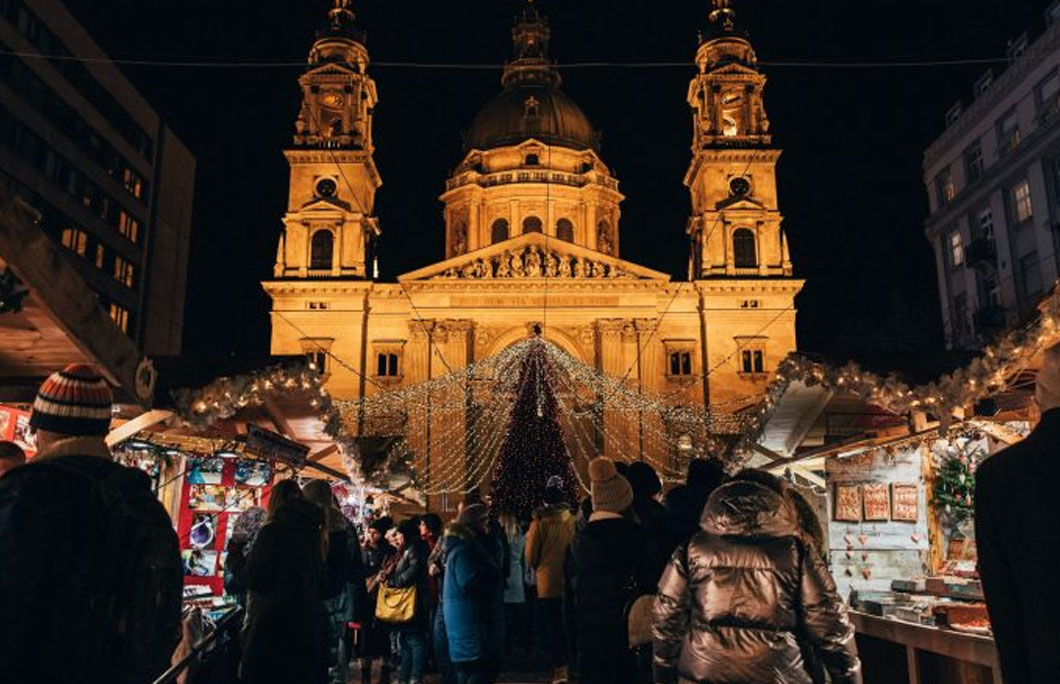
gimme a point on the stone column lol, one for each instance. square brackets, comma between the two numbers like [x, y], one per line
[459, 352]
[416, 370]
[609, 360]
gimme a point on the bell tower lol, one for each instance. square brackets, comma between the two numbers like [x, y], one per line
[330, 222]
[735, 228]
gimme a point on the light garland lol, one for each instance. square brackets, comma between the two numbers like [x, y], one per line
[463, 452]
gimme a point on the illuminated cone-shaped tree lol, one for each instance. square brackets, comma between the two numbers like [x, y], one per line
[533, 449]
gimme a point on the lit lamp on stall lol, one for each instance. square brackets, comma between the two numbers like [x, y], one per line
[684, 445]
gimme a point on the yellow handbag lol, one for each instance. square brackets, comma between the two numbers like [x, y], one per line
[396, 606]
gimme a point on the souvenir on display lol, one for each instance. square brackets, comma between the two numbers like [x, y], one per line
[905, 502]
[848, 502]
[252, 473]
[205, 470]
[206, 498]
[246, 524]
[203, 530]
[199, 563]
[877, 501]
[239, 499]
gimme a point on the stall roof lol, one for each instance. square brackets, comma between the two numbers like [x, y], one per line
[56, 319]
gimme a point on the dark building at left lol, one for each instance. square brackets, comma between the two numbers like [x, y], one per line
[94, 168]
[111, 181]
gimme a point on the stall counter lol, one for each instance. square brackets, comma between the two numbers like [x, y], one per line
[895, 651]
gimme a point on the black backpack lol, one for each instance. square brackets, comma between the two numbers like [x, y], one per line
[126, 615]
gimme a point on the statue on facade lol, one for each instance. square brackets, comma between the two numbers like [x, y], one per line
[516, 264]
[533, 263]
[469, 271]
[551, 265]
[603, 238]
[564, 266]
[504, 269]
[485, 268]
[459, 239]
[579, 268]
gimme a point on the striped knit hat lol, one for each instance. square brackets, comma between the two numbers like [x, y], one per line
[76, 402]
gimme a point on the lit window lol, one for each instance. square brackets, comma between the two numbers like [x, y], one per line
[986, 224]
[133, 182]
[944, 188]
[124, 272]
[1021, 201]
[120, 316]
[956, 249]
[129, 227]
[101, 256]
[75, 240]
[973, 159]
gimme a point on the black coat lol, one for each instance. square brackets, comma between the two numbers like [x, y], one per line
[608, 565]
[56, 572]
[375, 635]
[1017, 520]
[411, 571]
[285, 575]
[654, 522]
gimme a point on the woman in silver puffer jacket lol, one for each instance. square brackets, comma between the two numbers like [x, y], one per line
[735, 602]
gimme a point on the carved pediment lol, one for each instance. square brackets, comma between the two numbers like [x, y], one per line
[325, 205]
[738, 203]
[534, 256]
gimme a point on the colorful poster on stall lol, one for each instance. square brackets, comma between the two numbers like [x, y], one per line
[14, 427]
[216, 493]
[205, 470]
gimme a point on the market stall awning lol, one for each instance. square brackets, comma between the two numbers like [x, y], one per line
[50, 318]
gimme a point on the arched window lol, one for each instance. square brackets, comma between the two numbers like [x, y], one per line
[565, 230]
[499, 232]
[532, 224]
[743, 249]
[322, 250]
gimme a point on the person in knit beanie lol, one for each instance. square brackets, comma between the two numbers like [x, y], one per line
[70, 513]
[609, 552]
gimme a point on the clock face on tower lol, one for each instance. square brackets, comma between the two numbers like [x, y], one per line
[739, 186]
[332, 100]
[326, 187]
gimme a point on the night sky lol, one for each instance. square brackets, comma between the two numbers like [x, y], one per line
[850, 177]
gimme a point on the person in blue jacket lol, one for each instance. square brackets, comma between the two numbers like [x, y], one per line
[473, 598]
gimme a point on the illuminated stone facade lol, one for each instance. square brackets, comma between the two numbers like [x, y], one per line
[532, 221]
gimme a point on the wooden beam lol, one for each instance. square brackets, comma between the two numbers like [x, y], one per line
[767, 452]
[277, 417]
[141, 422]
[1001, 433]
[806, 423]
[321, 454]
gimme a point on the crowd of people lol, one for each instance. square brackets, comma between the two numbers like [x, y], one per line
[723, 578]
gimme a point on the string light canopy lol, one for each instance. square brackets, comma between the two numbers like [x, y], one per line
[453, 427]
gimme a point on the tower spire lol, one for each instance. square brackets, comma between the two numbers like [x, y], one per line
[530, 38]
[723, 15]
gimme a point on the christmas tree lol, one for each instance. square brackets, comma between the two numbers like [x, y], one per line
[533, 449]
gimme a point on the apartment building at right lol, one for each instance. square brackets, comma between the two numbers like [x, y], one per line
[993, 185]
